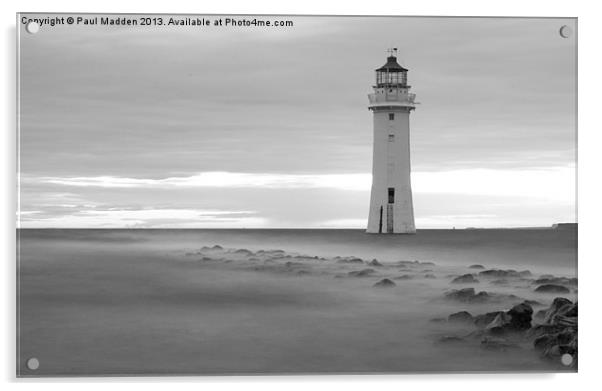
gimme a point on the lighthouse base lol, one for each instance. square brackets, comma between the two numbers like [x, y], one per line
[391, 218]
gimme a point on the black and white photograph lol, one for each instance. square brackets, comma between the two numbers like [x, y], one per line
[237, 194]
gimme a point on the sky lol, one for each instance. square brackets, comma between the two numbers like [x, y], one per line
[268, 127]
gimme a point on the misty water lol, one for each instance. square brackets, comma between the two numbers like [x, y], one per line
[126, 302]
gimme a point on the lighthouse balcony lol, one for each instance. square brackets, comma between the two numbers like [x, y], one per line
[392, 99]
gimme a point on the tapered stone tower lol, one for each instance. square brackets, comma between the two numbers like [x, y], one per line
[391, 208]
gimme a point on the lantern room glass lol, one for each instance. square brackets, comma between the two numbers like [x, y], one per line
[391, 78]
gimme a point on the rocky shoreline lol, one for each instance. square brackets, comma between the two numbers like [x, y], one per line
[552, 332]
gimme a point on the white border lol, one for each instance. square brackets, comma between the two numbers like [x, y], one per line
[589, 198]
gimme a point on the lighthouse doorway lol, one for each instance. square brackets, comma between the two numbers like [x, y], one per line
[390, 218]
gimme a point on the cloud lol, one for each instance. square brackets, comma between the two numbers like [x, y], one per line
[142, 218]
[553, 183]
[219, 180]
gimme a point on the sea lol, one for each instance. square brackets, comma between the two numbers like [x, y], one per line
[146, 302]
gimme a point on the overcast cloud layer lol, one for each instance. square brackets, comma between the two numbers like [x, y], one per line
[268, 127]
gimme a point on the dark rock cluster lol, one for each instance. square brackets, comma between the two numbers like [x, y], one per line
[461, 317]
[465, 279]
[555, 336]
[361, 273]
[348, 260]
[375, 262]
[385, 283]
[552, 288]
[556, 280]
[414, 263]
[498, 273]
[467, 295]
[404, 277]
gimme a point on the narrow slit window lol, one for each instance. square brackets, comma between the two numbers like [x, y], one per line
[391, 116]
[391, 195]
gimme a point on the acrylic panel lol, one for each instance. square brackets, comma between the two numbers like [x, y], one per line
[281, 194]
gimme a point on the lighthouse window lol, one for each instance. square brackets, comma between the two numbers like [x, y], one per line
[391, 195]
[391, 116]
[391, 138]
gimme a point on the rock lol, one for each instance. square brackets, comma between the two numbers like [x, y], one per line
[533, 303]
[555, 345]
[404, 277]
[544, 341]
[361, 273]
[520, 315]
[467, 295]
[350, 260]
[552, 288]
[465, 279]
[414, 263]
[460, 317]
[209, 249]
[461, 294]
[431, 276]
[517, 319]
[446, 339]
[556, 281]
[540, 315]
[375, 263]
[403, 263]
[556, 305]
[481, 321]
[385, 283]
[481, 297]
[243, 251]
[558, 334]
[426, 271]
[497, 273]
[496, 343]
[476, 267]
[542, 329]
[572, 311]
[303, 257]
[499, 325]
[566, 315]
[501, 281]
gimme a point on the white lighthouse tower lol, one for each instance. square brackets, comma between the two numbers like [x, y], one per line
[391, 208]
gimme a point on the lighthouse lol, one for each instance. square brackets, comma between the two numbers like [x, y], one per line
[391, 208]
